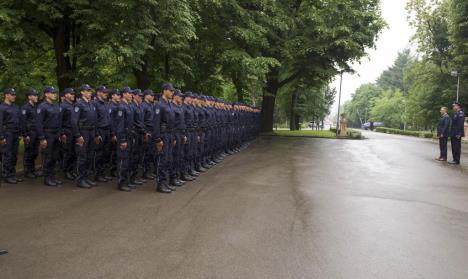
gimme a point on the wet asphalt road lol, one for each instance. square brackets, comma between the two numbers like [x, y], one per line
[283, 208]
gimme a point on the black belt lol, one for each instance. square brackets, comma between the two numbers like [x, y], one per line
[104, 128]
[51, 130]
[87, 127]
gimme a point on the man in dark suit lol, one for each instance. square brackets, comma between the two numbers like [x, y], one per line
[443, 129]
[457, 132]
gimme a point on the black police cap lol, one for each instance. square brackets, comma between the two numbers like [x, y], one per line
[49, 89]
[31, 92]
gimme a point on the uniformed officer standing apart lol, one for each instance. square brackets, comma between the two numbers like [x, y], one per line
[443, 129]
[84, 130]
[457, 132]
[31, 142]
[10, 131]
[103, 129]
[49, 132]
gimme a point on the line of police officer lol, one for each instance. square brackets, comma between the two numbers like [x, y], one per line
[132, 135]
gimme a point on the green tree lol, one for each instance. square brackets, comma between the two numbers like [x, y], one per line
[313, 41]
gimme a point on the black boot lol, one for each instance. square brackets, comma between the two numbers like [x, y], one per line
[3, 251]
[59, 182]
[186, 177]
[163, 188]
[10, 180]
[30, 174]
[125, 188]
[148, 176]
[83, 184]
[90, 182]
[48, 181]
[192, 172]
[175, 182]
[69, 176]
[101, 178]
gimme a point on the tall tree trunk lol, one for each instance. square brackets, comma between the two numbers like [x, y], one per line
[293, 116]
[61, 39]
[297, 121]
[239, 88]
[142, 77]
[269, 98]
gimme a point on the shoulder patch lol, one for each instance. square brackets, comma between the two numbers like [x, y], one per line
[77, 109]
[120, 113]
[110, 110]
[38, 110]
[23, 112]
[157, 111]
[60, 109]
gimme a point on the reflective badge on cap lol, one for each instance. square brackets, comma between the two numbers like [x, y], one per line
[120, 113]
[77, 109]
[23, 112]
[38, 110]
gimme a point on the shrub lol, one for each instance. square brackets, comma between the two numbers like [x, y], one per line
[419, 134]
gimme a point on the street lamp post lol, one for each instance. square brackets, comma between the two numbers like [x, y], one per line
[457, 74]
[339, 104]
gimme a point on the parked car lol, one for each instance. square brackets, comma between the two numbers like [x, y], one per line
[372, 125]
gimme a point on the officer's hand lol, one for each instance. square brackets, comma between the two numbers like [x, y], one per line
[80, 141]
[159, 146]
[146, 137]
[185, 140]
[97, 140]
[123, 146]
[27, 140]
[458, 137]
[3, 141]
[114, 139]
[63, 139]
[43, 144]
[174, 143]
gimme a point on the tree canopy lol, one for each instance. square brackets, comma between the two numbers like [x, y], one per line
[251, 51]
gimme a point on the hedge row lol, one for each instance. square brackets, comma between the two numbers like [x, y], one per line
[419, 134]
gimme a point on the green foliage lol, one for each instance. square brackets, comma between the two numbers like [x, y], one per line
[419, 134]
[389, 109]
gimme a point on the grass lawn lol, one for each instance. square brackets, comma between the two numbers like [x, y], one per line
[302, 133]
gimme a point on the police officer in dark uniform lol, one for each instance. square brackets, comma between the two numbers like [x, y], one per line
[156, 138]
[167, 134]
[84, 130]
[141, 136]
[31, 142]
[147, 108]
[457, 132]
[443, 130]
[68, 146]
[103, 128]
[180, 140]
[114, 107]
[10, 131]
[124, 128]
[49, 132]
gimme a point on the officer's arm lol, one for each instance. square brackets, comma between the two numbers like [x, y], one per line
[75, 118]
[2, 132]
[40, 116]
[120, 126]
[461, 124]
